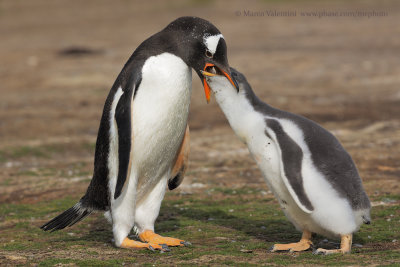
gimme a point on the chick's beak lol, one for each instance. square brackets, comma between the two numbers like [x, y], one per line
[206, 73]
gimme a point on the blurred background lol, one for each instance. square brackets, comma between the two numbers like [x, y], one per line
[59, 59]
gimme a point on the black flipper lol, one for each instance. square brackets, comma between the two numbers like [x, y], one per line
[123, 117]
[292, 157]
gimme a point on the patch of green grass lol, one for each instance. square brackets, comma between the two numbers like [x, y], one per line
[202, 2]
[28, 173]
[3, 157]
[7, 181]
[24, 211]
[86, 262]
[44, 151]
[387, 198]
[48, 171]
[238, 191]
[89, 146]
[19, 152]
[219, 230]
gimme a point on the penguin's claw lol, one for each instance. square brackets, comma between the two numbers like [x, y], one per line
[186, 243]
[151, 237]
[322, 251]
[162, 247]
[165, 248]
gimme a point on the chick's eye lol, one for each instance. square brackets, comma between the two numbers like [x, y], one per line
[209, 54]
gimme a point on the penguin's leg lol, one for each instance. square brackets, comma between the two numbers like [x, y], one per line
[304, 244]
[146, 214]
[123, 214]
[345, 247]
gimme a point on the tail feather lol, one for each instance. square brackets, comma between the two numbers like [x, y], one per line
[67, 218]
[366, 219]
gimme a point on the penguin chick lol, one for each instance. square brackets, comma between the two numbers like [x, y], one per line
[143, 141]
[309, 172]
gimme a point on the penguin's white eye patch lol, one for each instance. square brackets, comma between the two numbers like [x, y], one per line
[211, 42]
[208, 54]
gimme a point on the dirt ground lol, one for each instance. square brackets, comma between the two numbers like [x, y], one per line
[58, 60]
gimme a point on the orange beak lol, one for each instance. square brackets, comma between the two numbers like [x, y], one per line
[207, 89]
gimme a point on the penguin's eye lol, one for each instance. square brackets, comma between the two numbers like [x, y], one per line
[208, 54]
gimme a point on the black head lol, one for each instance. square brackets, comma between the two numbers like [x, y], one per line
[242, 83]
[201, 45]
[239, 78]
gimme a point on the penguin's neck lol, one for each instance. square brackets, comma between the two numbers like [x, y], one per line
[238, 110]
[243, 109]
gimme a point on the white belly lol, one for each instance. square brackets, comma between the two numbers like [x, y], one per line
[265, 152]
[160, 112]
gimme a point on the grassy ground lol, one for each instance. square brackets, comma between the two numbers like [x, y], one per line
[238, 229]
[233, 224]
[340, 72]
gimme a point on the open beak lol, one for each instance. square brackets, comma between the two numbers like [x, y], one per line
[216, 71]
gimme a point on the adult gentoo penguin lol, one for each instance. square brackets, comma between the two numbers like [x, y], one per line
[308, 170]
[143, 139]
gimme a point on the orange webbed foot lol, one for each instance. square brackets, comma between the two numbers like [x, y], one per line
[151, 237]
[128, 243]
[304, 244]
